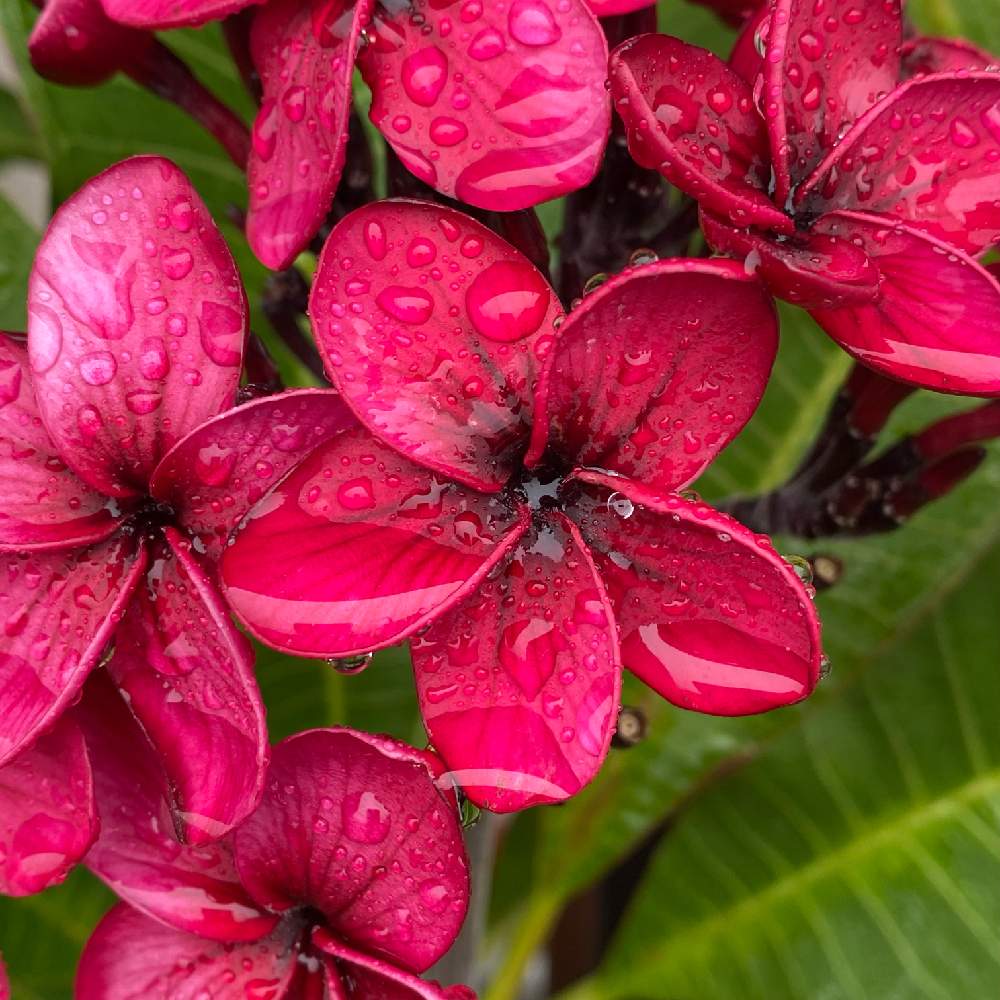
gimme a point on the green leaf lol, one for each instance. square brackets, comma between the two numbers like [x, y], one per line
[19, 240]
[17, 137]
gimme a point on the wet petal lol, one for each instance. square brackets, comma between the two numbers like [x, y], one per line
[353, 825]
[519, 685]
[745, 58]
[161, 14]
[136, 321]
[42, 503]
[433, 328]
[47, 814]
[936, 322]
[304, 52]
[607, 8]
[690, 116]
[358, 548]
[221, 469]
[927, 155]
[132, 957]
[944, 55]
[658, 370]
[710, 616]
[187, 673]
[57, 612]
[502, 109]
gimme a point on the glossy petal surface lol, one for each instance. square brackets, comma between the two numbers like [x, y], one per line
[132, 957]
[161, 14]
[657, 371]
[927, 155]
[433, 328]
[944, 55]
[500, 105]
[690, 116]
[222, 468]
[710, 616]
[47, 815]
[42, 503]
[353, 825]
[519, 685]
[136, 320]
[304, 52]
[358, 548]
[936, 322]
[57, 612]
[607, 8]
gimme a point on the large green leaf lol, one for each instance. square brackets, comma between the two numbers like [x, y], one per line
[18, 240]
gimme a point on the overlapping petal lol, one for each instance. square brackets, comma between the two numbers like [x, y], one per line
[658, 370]
[358, 548]
[160, 14]
[433, 328]
[47, 813]
[608, 8]
[136, 322]
[944, 55]
[519, 685]
[710, 616]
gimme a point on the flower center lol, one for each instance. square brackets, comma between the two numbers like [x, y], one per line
[544, 487]
[149, 518]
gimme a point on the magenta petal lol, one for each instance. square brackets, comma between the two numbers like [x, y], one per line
[519, 685]
[927, 155]
[161, 14]
[353, 825]
[433, 328]
[47, 814]
[132, 957]
[57, 612]
[304, 52]
[936, 322]
[823, 68]
[710, 616]
[944, 55]
[658, 370]
[745, 59]
[42, 503]
[221, 469]
[358, 548]
[690, 116]
[136, 321]
[607, 8]
[4, 982]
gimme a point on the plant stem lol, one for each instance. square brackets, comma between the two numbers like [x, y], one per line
[531, 933]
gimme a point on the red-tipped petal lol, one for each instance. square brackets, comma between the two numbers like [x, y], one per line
[944, 55]
[220, 470]
[161, 14]
[304, 51]
[42, 503]
[352, 825]
[928, 155]
[710, 616]
[433, 328]
[658, 370]
[47, 813]
[936, 322]
[136, 322]
[358, 548]
[822, 70]
[57, 612]
[501, 110]
[608, 8]
[519, 685]
[690, 116]
[745, 58]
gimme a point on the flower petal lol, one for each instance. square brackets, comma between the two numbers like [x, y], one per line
[160, 14]
[47, 814]
[927, 154]
[358, 548]
[821, 73]
[608, 8]
[690, 116]
[710, 616]
[4, 982]
[944, 55]
[136, 322]
[507, 111]
[304, 51]
[658, 370]
[433, 329]
[936, 322]
[42, 503]
[745, 59]
[353, 825]
[519, 685]
[57, 612]
[221, 469]
[132, 957]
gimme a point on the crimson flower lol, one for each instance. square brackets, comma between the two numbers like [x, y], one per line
[860, 197]
[508, 499]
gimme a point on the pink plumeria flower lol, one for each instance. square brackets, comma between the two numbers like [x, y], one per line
[122, 473]
[509, 499]
[348, 880]
[861, 198]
